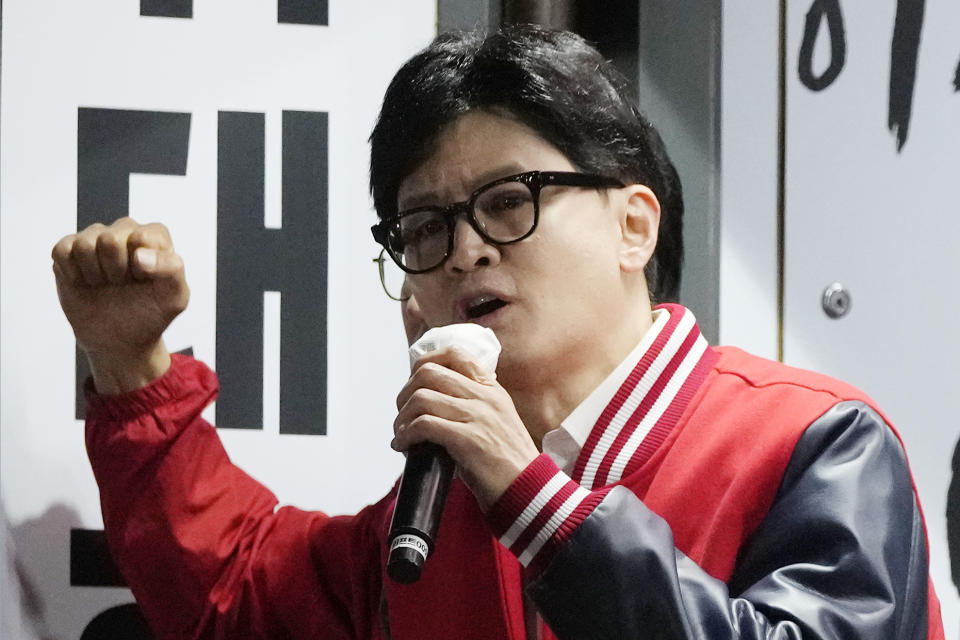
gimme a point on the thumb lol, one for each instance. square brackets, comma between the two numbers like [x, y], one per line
[154, 264]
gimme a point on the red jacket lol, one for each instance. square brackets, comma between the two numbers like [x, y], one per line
[777, 503]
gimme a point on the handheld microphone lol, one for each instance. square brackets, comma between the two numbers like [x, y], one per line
[429, 468]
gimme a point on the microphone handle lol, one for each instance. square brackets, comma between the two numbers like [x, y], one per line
[416, 517]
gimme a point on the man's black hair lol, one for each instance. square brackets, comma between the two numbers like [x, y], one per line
[553, 82]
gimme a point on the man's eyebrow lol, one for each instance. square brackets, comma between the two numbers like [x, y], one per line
[430, 198]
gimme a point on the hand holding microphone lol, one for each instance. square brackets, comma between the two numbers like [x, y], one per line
[451, 403]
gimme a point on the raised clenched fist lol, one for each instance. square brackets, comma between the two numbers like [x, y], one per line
[120, 286]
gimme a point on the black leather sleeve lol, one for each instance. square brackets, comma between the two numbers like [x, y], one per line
[840, 554]
[953, 518]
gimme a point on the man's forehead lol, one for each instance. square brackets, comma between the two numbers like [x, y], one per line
[449, 184]
[475, 149]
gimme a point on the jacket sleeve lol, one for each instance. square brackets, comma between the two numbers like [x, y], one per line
[203, 546]
[841, 554]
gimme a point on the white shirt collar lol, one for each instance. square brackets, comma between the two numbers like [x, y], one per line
[564, 443]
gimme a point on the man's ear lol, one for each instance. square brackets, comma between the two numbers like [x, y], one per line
[639, 225]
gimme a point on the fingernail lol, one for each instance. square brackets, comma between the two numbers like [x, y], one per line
[147, 258]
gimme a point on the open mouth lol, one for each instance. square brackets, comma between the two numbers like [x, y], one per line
[483, 306]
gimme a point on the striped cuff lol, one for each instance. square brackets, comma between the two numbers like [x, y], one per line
[540, 511]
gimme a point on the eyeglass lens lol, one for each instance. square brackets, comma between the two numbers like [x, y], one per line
[503, 212]
[392, 277]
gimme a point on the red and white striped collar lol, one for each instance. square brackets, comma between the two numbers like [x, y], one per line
[639, 403]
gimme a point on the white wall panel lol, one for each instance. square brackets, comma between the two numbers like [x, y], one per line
[886, 224]
[748, 220]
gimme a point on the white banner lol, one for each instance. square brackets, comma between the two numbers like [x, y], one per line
[178, 107]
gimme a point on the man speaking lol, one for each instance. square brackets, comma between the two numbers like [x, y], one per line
[618, 476]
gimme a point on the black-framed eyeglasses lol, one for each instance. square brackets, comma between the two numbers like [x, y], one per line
[502, 212]
[391, 277]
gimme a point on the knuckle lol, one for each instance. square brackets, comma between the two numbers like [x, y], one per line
[420, 398]
[61, 250]
[420, 425]
[156, 230]
[418, 394]
[429, 371]
[84, 245]
[109, 242]
[176, 262]
[136, 237]
[428, 367]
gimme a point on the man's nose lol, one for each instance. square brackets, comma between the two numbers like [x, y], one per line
[470, 250]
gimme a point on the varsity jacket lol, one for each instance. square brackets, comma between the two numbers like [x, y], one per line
[719, 495]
